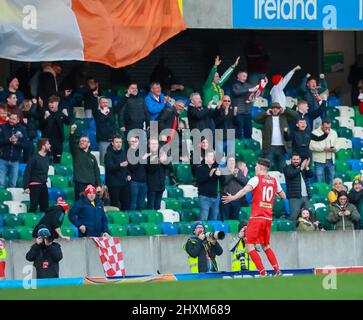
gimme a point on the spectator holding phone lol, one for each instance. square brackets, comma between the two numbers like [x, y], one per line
[343, 214]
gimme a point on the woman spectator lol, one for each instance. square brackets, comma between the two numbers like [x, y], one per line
[233, 180]
[338, 186]
[343, 214]
[356, 197]
[305, 221]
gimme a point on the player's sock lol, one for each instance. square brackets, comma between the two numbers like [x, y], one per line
[272, 258]
[257, 261]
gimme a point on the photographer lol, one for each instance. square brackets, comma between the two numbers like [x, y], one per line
[46, 255]
[342, 214]
[241, 261]
[202, 250]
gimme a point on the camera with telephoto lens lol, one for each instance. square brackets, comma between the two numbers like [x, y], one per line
[217, 235]
[241, 257]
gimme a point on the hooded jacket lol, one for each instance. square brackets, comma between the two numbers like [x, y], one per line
[93, 217]
[343, 222]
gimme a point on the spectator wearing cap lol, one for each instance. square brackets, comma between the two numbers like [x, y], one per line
[13, 139]
[343, 214]
[52, 121]
[105, 117]
[311, 90]
[356, 197]
[241, 90]
[85, 166]
[45, 254]
[233, 179]
[117, 174]
[88, 215]
[274, 144]
[297, 185]
[323, 152]
[279, 83]
[53, 220]
[12, 86]
[202, 251]
[241, 260]
[36, 175]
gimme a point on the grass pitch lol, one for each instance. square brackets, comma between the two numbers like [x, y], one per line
[306, 287]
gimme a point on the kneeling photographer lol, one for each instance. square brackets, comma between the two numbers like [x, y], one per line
[202, 248]
[45, 254]
[241, 261]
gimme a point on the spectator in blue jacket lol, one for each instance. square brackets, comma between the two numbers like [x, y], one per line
[13, 139]
[88, 215]
[156, 101]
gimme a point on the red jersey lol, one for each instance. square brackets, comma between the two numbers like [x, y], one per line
[263, 195]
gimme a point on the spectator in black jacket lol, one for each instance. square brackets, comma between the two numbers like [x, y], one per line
[232, 180]
[53, 219]
[52, 124]
[297, 185]
[203, 147]
[117, 174]
[199, 116]
[90, 94]
[31, 122]
[13, 139]
[207, 181]
[105, 117]
[155, 174]
[224, 117]
[134, 113]
[35, 177]
[137, 168]
[46, 255]
[241, 90]
[47, 81]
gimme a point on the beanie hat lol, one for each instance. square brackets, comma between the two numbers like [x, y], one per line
[276, 79]
[90, 188]
[63, 204]
[196, 224]
[43, 233]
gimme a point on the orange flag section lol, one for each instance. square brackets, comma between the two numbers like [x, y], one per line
[119, 33]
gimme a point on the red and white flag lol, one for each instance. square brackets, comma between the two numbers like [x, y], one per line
[111, 256]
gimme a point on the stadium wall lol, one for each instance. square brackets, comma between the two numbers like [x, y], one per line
[165, 254]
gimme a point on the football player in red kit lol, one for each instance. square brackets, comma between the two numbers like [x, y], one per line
[264, 188]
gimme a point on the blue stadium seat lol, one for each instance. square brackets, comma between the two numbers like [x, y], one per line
[1, 222]
[334, 101]
[54, 193]
[292, 92]
[283, 186]
[357, 143]
[169, 228]
[255, 111]
[219, 226]
[249, 197]
[91, 124]
[355, 164]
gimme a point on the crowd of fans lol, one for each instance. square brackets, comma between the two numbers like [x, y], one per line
[36, 115]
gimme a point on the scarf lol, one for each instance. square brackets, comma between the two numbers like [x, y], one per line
[105, 110]
[316, 95]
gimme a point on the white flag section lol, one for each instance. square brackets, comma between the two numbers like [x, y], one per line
[111, 256]
[34, 30]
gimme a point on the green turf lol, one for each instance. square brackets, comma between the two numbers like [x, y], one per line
[299, 287]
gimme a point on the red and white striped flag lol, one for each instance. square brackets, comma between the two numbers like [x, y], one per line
[111, 256]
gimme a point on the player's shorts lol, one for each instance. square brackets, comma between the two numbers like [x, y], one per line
[258, 231]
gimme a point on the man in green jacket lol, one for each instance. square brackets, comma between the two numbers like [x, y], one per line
[275, 123]
[85, 166]
[212, 89]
